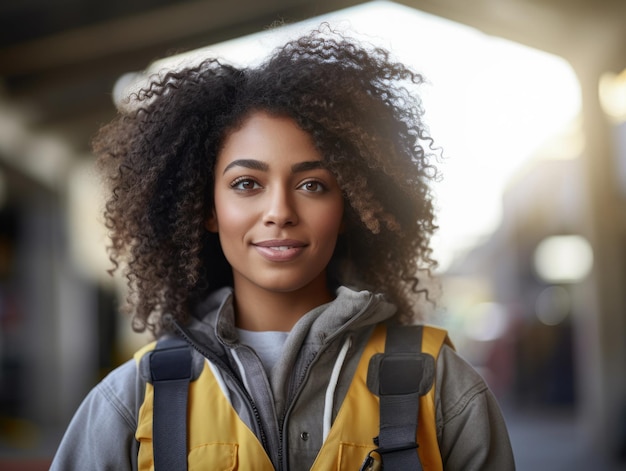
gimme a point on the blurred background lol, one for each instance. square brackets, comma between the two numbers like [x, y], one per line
[527, 98]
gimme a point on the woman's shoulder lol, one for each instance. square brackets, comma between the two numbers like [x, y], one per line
[461, 391]
[122, 376]
[123, 389]
[101, 432]
[471, 430]
[456, 378]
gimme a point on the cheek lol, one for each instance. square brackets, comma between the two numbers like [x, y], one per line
[330, 221]
[230, 216]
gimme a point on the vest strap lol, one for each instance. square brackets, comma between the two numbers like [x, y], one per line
[170, 367]
[402, 381]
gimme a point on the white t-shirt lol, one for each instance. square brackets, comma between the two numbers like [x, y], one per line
[268, 345]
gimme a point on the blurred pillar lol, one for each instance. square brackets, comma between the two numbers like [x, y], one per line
[601, 332]
[59, 338]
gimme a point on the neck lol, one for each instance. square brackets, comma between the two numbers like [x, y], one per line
[260, 310]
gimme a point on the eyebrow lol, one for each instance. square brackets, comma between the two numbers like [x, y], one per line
[248, 163]
[262, 166]
[305, 166]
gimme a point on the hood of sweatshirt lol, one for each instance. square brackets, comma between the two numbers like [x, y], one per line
[214, 326]
[350, 310]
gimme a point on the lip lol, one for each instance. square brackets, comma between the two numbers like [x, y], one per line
[279, 250]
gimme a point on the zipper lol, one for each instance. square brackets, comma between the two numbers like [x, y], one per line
[305, 375]
[281, 422]
[188, 337]
[327, 341]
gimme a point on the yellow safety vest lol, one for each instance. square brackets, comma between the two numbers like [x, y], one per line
[219, 440]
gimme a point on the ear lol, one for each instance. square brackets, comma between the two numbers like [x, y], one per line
[211, 222]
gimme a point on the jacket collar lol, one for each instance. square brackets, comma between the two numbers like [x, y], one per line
[350, 310]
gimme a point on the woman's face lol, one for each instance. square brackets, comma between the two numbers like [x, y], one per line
[277, 211]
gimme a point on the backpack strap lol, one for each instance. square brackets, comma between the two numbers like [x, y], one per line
[404, 374]
[170, 367]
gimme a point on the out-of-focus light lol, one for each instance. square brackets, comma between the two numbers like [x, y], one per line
[86, 227]
[612, 91]
[124, 87]
[486, 322]
[42, 156]
[563, 259]
[553, 305]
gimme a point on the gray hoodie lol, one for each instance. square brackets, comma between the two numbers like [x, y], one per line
[285, 408]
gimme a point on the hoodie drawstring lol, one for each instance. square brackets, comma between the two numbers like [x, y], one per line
[242, 370]
[332, 385]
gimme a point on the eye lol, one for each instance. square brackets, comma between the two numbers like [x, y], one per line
[313, 186]
[245, 184]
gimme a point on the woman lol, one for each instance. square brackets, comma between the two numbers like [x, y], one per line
[278, 219]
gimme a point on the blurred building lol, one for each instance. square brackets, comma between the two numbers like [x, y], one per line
[523, 308]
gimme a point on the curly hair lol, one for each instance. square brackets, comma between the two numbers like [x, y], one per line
[354, 101]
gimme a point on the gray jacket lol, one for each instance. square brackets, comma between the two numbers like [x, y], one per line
[471, 431]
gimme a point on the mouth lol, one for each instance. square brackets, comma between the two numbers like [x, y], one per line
[279, 244]
[279, 250]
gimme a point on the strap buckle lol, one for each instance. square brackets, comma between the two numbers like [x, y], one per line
[369, 459]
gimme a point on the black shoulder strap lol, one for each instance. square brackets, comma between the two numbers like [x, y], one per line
[170, 367]
[404, 374]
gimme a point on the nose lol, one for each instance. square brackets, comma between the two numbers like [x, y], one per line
[280, 209]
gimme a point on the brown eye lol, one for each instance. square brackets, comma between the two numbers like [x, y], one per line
[313, 186]
[245, 184]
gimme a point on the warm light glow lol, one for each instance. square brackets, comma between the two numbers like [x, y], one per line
[612, 90]
[87, 230]
[563, 259]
